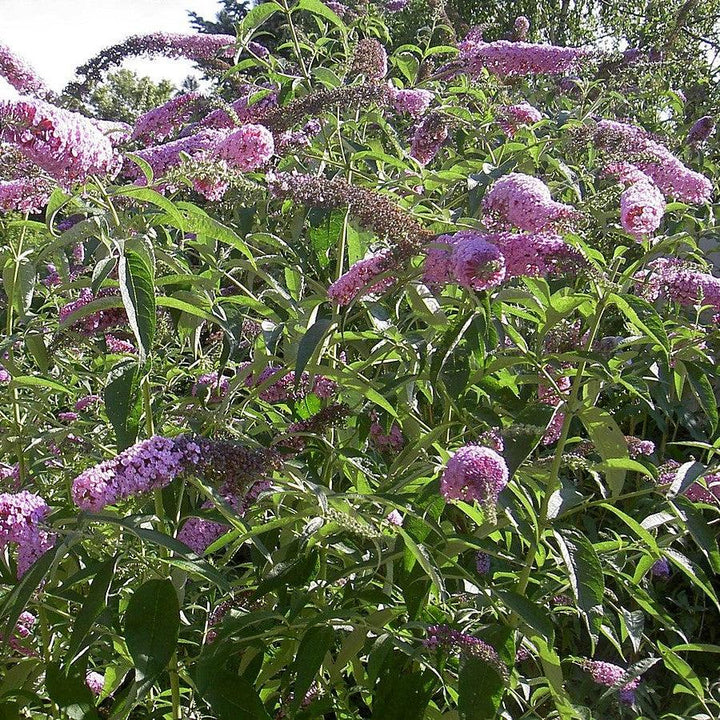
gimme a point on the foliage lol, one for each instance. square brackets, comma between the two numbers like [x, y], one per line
[124, 96]
[295, 470]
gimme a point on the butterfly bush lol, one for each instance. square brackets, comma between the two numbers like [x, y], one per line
[418, 367]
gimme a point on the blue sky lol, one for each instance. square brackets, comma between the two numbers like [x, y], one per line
[56, 36]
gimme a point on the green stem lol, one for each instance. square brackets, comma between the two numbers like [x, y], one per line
[553, 481]
[9, 323]
[296, 42]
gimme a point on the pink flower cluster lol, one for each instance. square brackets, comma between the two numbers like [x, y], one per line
[481, 261]
[22, 631]
[116, 345]
[391, 442]
[468, 258]
[199, 47]
[655, 160]
[680, 282]
[162, 158]
[95, 322]
[21, 75]
[642, 207]
[638, 447]
[414, 101]
[445, 638]
[27, 195]
[474, 473]
[161, 122]
[550, 396]
[147, 465]
[521, 26]
[482, 562]
[240, 110]
[86, 401]
[21, 522]
[199, 534]
[701, 130]
[511, 117]
[507, 59]
[64, 144]
[95, 682]
[215, 387]
[428, 138]
[607, 674]
[280, 386]
[362, 279]
[247, 149]
[524, 202]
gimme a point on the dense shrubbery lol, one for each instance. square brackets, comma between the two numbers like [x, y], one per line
[386, 390]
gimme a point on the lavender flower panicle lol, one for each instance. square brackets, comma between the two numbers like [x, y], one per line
[21, 75]
[22, 515]
[162, 122]
[508, 59]
[609, 675]
[64, 144]
[429, 137]
[475, 473]
[442, 637]
[369, 59]
[701, 130]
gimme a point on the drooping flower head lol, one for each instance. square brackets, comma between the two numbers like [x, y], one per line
[161, 122]
[95, 681]
[21, 75]
[671, 176]
[661, 568]
[482, 562]
[476, 263]
[443, 637]
[22, 516]
[64, 144]
[27, 195]
[362, 279]
[642, 207]
[607, 674]
[414, 101]
[216, 387]
[701, 130]
[474, 473]
[429, 137]
[370, 59]
[511, 117]
[521, 26]
[524, 202]
[247, 149]
[508, 59]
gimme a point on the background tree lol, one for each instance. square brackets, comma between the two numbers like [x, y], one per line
[123, 96]
[232, 12]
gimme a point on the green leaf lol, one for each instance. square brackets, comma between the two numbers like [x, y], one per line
[586, 577]
[534, 419]
[322, 10]
[256, 17]
[703, 535]
[123, 403]
[146, 194]
[693, 572]
[634, 624]
[292, 573]
[480, 689]
[35, 344]
[610, 443]
[310, 341]
[137, 289]
[401, 692]
[16, 600]
[644, 317]
[70, 693]
[420, 554]
[635, 526]
[682, 669]
[531, 614]
[152, 621]
[91, 608]
[553, 674]
[315, 644]
[232, 697]
[34, 381]
[703, 391]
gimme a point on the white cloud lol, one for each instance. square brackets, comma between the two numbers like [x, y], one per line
[55, 36]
